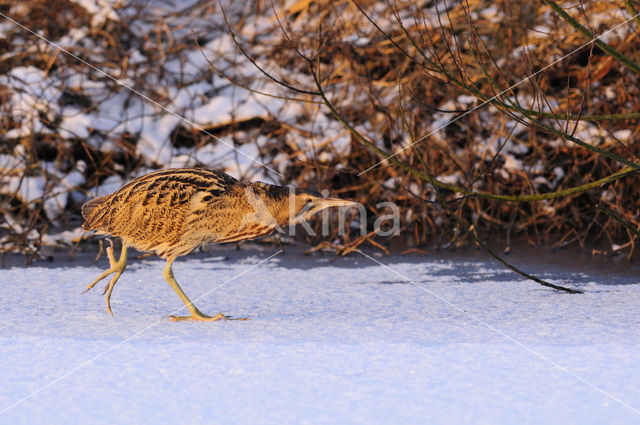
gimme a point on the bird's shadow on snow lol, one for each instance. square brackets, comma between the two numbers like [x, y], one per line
[465, 266]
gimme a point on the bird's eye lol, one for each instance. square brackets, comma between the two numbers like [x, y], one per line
[309, 200]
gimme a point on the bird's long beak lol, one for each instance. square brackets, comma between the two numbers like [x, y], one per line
[323, 203]
[320, 204]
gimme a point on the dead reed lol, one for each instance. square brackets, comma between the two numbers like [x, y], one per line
[477, 134]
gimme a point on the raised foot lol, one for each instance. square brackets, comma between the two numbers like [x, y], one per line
[204, 317]
[116, 267]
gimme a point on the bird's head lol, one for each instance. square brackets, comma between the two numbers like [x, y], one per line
[291, 206]
[307, 203]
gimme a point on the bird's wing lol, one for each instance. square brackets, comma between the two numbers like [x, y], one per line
[155, 200]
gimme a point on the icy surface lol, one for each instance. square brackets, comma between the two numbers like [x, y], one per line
[329, 341]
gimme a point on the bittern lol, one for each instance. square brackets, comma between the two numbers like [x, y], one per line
[171, 212]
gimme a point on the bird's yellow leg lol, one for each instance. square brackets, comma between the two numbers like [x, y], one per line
[195, 313]
[116, 267]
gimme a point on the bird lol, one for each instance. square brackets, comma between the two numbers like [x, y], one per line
[171, 212]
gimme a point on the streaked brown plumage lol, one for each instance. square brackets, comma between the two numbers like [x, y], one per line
[171, 212]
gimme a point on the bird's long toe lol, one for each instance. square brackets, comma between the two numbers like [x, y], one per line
[115, 266]
[200, 317]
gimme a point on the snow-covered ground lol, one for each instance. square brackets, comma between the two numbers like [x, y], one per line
[329, 341]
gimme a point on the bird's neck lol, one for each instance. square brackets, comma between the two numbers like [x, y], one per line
[269, 204]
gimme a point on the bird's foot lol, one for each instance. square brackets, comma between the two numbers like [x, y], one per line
[201, 317]
[115, 266]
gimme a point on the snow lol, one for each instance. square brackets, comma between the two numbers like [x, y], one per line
[28, 189]
[100, 9]
[65, 237]
[451, 179]
[31, 93]
[623, 135]
[76, 125]
[329, 341]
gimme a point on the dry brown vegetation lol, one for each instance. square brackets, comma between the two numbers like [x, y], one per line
[551, 159]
